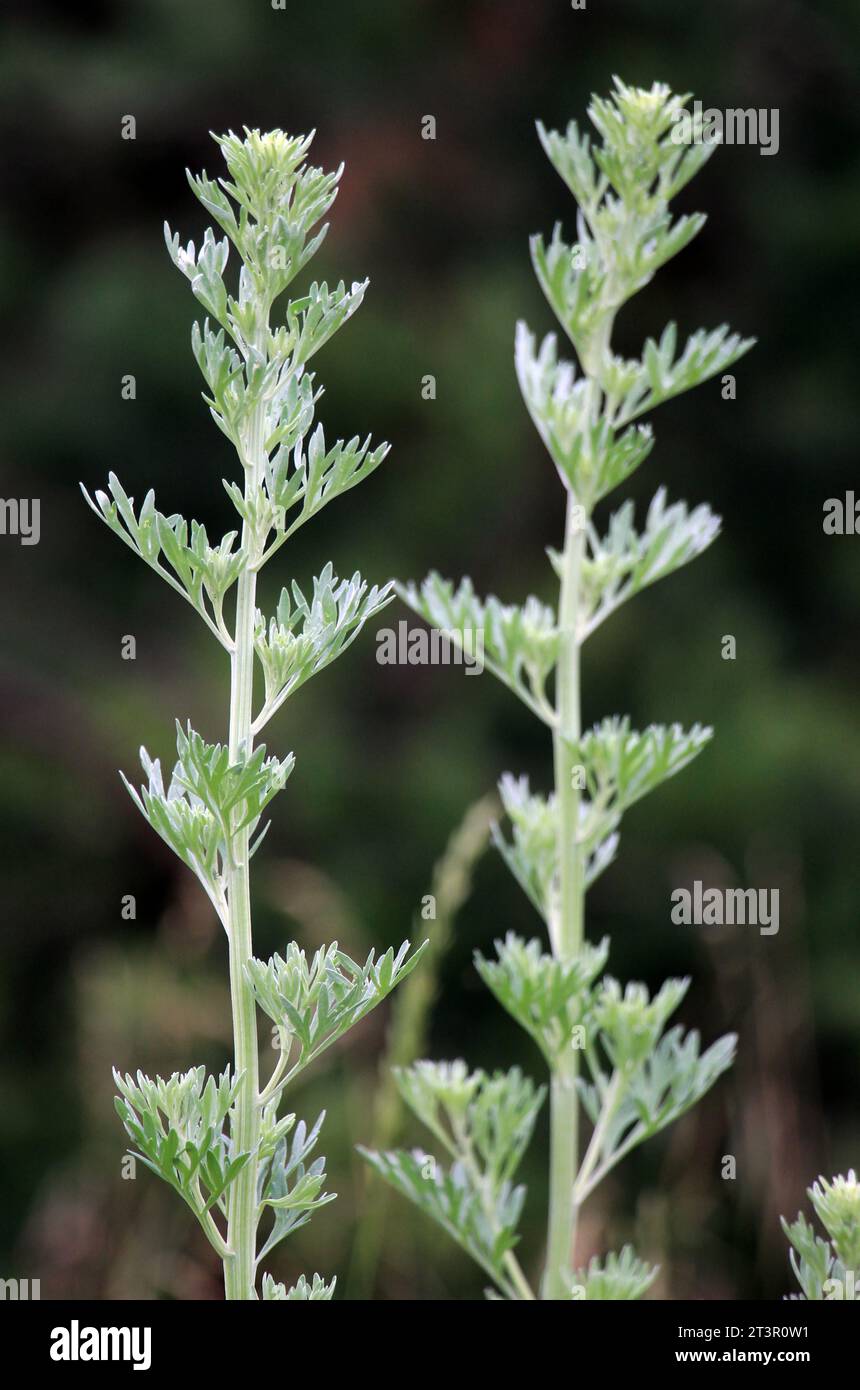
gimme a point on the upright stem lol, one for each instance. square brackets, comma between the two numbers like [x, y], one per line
[239, 1266]
[564, 1106]
[564, 1102]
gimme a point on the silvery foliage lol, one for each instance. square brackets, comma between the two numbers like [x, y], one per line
[207, 801]
[621, 1277]
[828, 1270]
[269, 208]
[482, 1125]
[302, 1291]
[312, 1004]
[640, 1074]
[520, 643]
[178, 1126]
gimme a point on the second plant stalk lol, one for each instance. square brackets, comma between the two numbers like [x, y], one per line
[608, 1048]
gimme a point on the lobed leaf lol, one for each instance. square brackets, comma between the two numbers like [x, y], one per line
[290, 1185]
[209, 800]
[301, 1291]
[656, 1076]
[661, 376]
[549, 998]
[485, 1122]
[448, 1196]
[520, 645]
[315, 1003]
[619, 1278]
[199, 571]
[622, 765]
[592, 456]
[837, 1206]
[178, 1126]
[812, 1260]
[308, 634]
[624, 561]
[532, 857]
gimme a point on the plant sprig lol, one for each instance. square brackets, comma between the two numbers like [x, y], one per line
[222, 1145]
[828, 1270]
[639, 1076]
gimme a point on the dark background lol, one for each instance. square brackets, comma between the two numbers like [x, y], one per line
[389, 758]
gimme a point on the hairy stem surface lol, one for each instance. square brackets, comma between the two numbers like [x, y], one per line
[564, 1108]
[239, 1267]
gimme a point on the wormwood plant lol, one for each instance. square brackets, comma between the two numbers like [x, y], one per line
[639, 1073]
[225, 1143]
[828, 1269]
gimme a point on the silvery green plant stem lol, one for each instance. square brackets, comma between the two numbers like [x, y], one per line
[563, 1204]
[606, 1047]
[221, 1143]
[564, 1100]
[239, 1269]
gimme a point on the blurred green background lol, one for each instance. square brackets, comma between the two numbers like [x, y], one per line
[389, 758]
